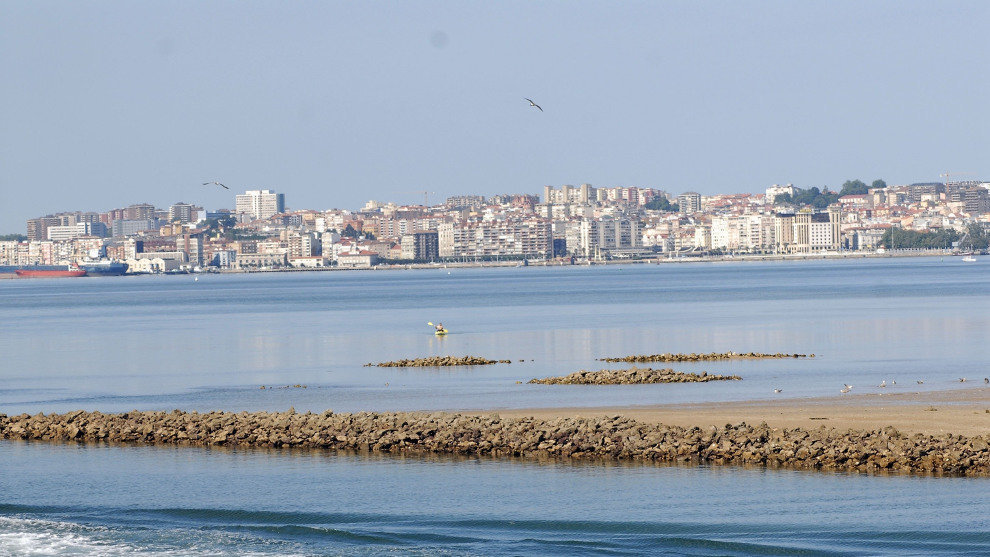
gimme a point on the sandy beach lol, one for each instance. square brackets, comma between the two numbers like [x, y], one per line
[960, 412]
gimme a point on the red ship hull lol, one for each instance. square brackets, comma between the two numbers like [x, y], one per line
[29, 273]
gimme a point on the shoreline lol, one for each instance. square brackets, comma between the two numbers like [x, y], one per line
[901, 436]
[831, 256]
[659, 260]
[956, 411]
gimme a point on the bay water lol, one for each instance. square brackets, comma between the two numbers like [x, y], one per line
[165, 342]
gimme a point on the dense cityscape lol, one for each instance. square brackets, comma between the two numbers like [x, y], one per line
[567, 224]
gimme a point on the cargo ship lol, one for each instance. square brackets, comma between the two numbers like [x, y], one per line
[103, 268]
[49, 271]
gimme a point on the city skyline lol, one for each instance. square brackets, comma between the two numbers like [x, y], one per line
[143, 103]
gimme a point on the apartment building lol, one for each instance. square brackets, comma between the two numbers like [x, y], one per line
[531, 237]
[260, 204]
[608, 234]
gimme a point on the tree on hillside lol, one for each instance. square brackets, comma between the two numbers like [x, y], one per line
[661, 203]
[13, 238]
[813, 196]
[350, 232]
[853, 187]
[878, 184]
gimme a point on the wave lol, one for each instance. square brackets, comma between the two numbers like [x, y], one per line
[52, 530]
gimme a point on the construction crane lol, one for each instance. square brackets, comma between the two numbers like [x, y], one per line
[426, 197]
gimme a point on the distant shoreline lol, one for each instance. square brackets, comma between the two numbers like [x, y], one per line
[555, 263]
[648, 261]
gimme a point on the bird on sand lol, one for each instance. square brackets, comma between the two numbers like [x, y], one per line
[777, 390]
[217, 183]
[531, 103]
[882, 383]
[986, 380]
[844, 391]
[920, 382]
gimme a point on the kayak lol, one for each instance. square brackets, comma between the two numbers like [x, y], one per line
[441, 332]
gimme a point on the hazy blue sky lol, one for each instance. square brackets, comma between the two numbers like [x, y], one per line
[105, 104]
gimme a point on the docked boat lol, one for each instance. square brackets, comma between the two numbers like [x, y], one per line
[103, 268]
[969, 259]
[49, 271]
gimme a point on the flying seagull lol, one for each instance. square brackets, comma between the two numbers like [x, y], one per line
[531, 103]
[217, 183]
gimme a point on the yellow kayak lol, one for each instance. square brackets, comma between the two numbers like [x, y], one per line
[441, 332]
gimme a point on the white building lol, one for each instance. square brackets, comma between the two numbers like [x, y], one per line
[260, 204]
[775, 190]
[608, 234]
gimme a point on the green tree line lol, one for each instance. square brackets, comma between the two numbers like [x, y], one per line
[897, 238]
[822, 198]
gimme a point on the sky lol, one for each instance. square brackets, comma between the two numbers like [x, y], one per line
[105, 104]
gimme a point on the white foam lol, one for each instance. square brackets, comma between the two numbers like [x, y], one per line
[34, 537]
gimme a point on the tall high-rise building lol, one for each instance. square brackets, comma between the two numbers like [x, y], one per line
[260, 204]
[139, 211]
[37, 229]
[421, 246]
[183, 212]
[689, 202]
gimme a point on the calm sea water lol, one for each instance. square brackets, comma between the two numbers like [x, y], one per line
[147, 343]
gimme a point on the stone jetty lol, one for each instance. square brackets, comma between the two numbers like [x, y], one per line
[632, 376]
[440, 361]
[713, 356]
[883, 450]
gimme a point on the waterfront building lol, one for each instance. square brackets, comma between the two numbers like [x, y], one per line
[192, 246]
[421, 246]
[608, 234]
[359, 260]
[302, 244]
[807, 231]
[703, 237]
[529, 237]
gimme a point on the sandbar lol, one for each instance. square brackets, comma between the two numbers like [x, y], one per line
[960, 412]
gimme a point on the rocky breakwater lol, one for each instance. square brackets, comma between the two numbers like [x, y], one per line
[713, 356]
[440, 361]
[632, 376]
[884, 450]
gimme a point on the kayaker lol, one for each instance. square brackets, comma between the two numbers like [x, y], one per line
[439, 327]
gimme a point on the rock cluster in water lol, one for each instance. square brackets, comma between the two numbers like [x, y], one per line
[588, 438]
[633, 376]
[692, 357]
[441, 361]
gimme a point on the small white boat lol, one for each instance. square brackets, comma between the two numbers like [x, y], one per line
[969, 259]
